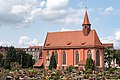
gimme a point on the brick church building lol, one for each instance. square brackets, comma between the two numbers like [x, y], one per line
[73, 47]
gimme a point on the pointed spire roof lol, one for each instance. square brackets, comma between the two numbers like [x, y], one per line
[86, 20]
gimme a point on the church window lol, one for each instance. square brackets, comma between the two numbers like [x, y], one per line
[97, 58]
[77, 57]
[64, 58]
[56, 56]
[89, 54]
[47, 55]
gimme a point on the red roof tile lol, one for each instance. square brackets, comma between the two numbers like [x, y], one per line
[35, 47]
[71, 39]
[38, 63]
[108, 45]
[86, 19]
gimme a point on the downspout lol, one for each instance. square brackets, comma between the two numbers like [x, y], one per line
[73, 57]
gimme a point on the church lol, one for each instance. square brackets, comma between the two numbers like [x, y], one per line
[74, 47]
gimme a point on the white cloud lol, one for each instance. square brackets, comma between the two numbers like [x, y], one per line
[43, 4]
[25, 41]
[64, 29]
[19, 13]
[15, 12]
[18, 9]
[113, 39]
[7, 43]
[107, 10]
[35, 42]
[73, 17]
[117, 36]
[56, 4]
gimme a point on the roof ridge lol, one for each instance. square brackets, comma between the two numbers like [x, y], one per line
[66, 31]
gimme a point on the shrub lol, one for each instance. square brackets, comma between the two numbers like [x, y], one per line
[53, 64]
[89, 71]
[89, 64]
[69, 69]
[14, 66]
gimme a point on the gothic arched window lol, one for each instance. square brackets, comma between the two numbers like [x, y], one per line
[56, 57]
[89, 54]
[64, 58]
[77, 57]
[47, 55]
[97, 58]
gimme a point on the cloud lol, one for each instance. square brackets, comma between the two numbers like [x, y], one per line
[55, 13]
[18, 9]
[107, 10]
[26, 41]
[18, 13]
[113, 39]
[7, 43]
[56, 4]
[15, 13]
[43, 4]
[117, 36]
[64, 29]
[73, 16]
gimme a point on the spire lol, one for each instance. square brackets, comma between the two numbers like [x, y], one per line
[86, 25]
[86, 20]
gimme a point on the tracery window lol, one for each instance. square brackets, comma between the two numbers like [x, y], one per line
[77, 57]
[89, 54]
[47, 55]
[97, 58]
[56, 56]
[64, 58]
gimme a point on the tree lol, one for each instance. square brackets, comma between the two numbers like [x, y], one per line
[14, 66]
[118, 57]
[1, 60]
[29, 61]
[10, 57]
[53, 63]
[109, 55]
[19, 57]
[24, 59]
[89, 64]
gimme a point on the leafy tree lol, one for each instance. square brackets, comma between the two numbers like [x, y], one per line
[118, 57]
[53, 63]
[21, 57]
[14, 66]
[24, 59]
[1, 60]
[109, 55]
[89, 64]
[10, 57]
[29, 61]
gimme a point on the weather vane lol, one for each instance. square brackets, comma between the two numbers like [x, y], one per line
[86, 8]
[86, 5]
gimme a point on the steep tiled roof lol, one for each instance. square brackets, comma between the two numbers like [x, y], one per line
[108, 45]
[86, 19]
[38, 63]
[35, 47]
[72, 39]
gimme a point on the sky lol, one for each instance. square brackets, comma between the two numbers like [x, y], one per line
[25, 23]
